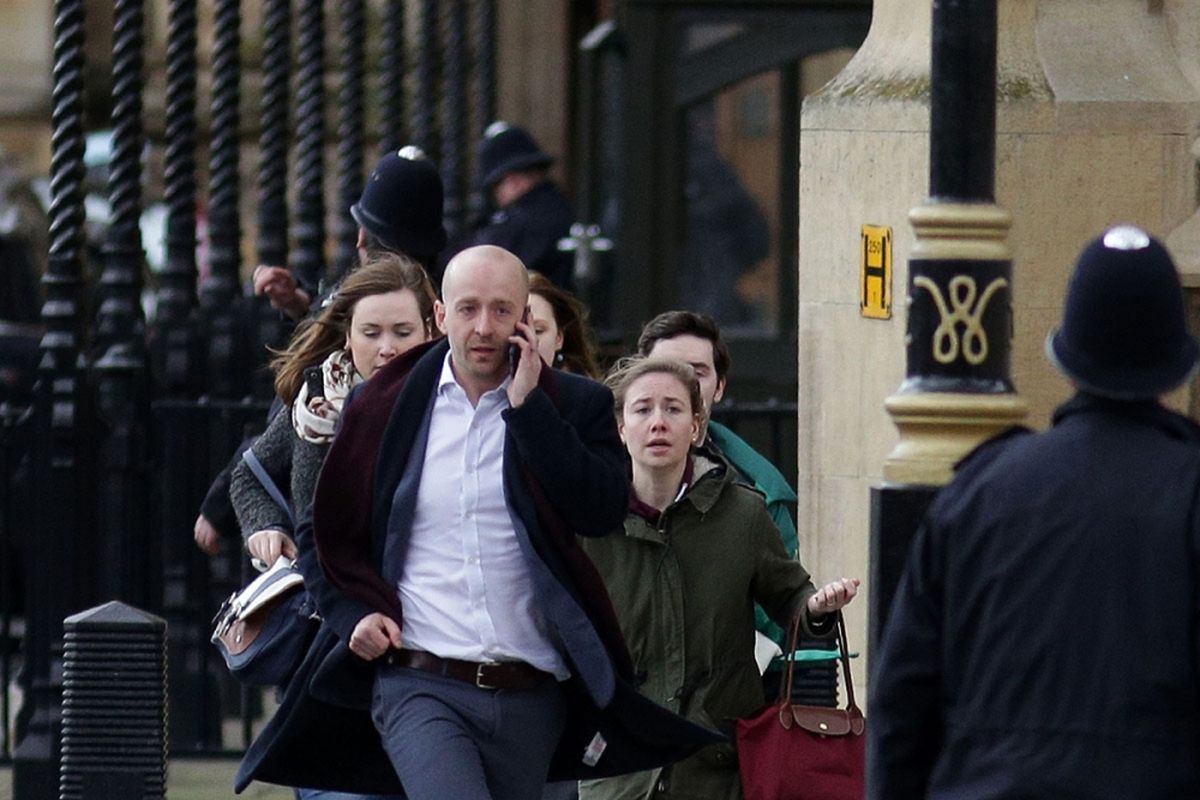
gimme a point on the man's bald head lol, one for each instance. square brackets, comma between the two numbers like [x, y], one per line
[495, 262]
[484, 293]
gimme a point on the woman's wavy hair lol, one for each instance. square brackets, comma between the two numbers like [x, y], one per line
[319, 336]
[629, 369]
[578, 349]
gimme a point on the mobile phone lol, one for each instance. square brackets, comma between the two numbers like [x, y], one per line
[514, 350]
[315, 382]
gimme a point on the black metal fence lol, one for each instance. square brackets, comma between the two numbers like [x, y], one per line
[770, 427]
[192, 439]
[135, 412]
[210, 712]
[13, 480]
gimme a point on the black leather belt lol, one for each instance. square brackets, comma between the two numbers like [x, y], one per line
[487, 675]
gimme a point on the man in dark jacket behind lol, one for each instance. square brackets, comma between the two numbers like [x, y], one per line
[532, 214]
[1043, 643]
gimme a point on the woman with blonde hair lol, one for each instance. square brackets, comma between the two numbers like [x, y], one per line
[698, 550]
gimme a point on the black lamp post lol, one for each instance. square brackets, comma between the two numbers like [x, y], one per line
[957, 389]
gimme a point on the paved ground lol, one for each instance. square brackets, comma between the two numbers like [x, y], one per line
[192, 780]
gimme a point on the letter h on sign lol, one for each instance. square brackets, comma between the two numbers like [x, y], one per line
[875, 272]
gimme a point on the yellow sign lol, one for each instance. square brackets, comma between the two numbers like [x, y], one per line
[875, 273]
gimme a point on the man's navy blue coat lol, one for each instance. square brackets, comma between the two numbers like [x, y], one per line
[563, 475]
[1043, 641]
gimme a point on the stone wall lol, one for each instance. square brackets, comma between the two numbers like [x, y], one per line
[1097, 114]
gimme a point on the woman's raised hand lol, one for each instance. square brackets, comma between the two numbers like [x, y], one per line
[832, 597]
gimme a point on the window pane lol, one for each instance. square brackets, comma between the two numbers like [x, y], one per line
[700, 36]
[730, 267]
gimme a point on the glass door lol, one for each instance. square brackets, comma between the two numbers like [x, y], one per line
[705, 212]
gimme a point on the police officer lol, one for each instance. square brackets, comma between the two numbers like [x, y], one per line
[532, 214]
[1042, 643]
[400, 211]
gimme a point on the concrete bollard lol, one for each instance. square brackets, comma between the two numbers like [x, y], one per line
[114, 710]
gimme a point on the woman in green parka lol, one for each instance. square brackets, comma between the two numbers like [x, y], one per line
[698, 551]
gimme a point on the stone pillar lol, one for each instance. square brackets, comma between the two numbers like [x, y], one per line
[533, 73]
[1184, 241]
[1093, 122]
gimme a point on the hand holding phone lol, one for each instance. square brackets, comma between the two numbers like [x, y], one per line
[514, 349]
[523, 377]
[315, 381]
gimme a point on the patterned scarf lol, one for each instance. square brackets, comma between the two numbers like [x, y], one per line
[315, 419]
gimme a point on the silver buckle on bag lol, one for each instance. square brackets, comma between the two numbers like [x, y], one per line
[479, 678]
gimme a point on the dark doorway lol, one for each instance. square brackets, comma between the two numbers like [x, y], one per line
[688, 161]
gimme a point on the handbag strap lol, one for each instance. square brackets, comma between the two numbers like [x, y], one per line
[785, 686]
[268, 483]
[845, 648]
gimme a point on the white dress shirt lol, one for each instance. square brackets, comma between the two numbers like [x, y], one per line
[465, 590]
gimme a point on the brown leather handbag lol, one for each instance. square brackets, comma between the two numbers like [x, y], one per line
[800, 752]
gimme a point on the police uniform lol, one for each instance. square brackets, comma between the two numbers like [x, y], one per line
[533, 224]
[531, 228]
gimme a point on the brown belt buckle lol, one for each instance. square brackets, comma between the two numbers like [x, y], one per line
[479, 678]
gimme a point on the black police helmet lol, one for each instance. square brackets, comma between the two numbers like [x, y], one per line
[1123, 333]
[506, 148]
[401, 204]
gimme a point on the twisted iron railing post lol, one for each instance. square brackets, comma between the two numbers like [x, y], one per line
[177, 283]
[393, 129]
[127, 571]
[308, 260]
[273, 136]
[484, 105]
[485, 67]
[351, 121]
[224, 224]
[178, 342]
[61, 443]
[455, 116]
[425, 115]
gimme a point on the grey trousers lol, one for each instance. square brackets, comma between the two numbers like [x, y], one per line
[448, 739]
[324, 794]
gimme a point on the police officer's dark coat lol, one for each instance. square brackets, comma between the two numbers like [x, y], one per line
[1043, 641]
[531, 228]
[322, 736]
